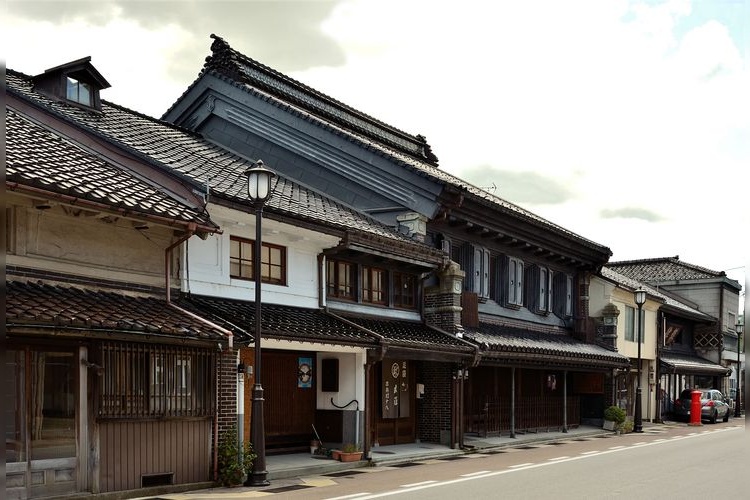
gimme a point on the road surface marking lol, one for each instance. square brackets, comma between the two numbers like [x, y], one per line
[356, 495]
[475, 473]
[511, 469]
[414, 485]
[590, 452]
[558, 458]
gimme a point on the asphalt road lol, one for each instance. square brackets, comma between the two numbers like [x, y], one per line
[680, 462]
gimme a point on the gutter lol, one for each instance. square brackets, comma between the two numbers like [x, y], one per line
[82, 202]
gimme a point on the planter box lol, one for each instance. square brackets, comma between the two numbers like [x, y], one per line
[350, 457]
[609, 425]
[335, 454]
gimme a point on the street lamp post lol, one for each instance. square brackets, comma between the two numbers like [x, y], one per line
[258, 190]
[640, 299]
[738, 398]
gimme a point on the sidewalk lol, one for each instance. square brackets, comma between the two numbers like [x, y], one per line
[298, 471]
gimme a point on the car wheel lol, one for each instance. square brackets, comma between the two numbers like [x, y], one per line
[726, 416]
[714, 416]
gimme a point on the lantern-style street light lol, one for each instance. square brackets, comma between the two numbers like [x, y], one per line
[738, 389]
[258, 190]
[640, 299]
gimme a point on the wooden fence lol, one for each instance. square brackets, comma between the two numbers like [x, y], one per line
[532, 414]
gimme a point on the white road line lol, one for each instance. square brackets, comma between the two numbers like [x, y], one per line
[512, 469]
[475, 473]
[413, 485]
[640, 443]
[356, 495]
[590, 452]
[558, 458]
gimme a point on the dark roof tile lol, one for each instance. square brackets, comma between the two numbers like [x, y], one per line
[43, 305]
[278, 321]
[37, 157]
[663, 269]
[190, 155]
[500, 338]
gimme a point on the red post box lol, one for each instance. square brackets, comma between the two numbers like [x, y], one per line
[695, 408]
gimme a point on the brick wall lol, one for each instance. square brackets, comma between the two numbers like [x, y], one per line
[442, 310]
[227, 387]
[434, 409]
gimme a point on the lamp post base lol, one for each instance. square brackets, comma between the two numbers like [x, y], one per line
[259, 478]
[638, 417]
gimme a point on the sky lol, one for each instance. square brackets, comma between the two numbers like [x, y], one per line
[626, 122]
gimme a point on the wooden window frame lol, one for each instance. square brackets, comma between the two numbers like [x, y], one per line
[266, 263]
[514, 282]
[338, 286]
[373, 285]
[156, 381]
[404, 290]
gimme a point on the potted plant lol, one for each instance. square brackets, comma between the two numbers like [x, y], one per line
[350, 453]
[614, 416]
[234, 463]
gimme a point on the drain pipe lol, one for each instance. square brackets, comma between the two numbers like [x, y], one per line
[227, 333]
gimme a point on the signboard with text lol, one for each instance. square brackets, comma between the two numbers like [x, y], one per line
[395, 389]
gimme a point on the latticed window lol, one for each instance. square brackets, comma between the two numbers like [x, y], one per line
[374, 285]
[143, 380]
[404, 290]
[272, 261]
[340, 279]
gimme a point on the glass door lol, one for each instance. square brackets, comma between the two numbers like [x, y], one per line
[40, 429]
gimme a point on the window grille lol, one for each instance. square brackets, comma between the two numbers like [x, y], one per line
[143, 380]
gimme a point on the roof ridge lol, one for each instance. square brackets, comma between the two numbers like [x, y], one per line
[225, 59]
[674, 260]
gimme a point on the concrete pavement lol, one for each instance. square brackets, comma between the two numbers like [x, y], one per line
[299, 471]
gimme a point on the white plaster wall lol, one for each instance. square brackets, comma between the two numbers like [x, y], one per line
[351, 370]
[74, 241]
[207, 272]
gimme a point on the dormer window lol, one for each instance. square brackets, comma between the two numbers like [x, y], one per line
[76, 83]
[79, 92]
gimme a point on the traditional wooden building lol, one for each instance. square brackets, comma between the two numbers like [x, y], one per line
[107, 385]
[342, 291]
[515, 272]
[669, 362]
[699, 354]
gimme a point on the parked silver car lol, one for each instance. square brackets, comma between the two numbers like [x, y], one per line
[713, 405]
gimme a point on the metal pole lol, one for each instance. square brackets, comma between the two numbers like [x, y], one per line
[638, 424]
[258, 474]
[738, 399]
[565, 401]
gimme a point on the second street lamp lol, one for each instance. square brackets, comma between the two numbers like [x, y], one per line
[258, 190]
[640, 299]
[737, 390]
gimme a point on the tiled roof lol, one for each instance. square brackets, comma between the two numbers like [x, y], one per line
[654, 292]
[498, 340]
[411, 334]
[685, 363]
[243, 69]
[45, 306]
[39, 158]
[188, 154]
[277, 321]
[663, 269]
[310, 105]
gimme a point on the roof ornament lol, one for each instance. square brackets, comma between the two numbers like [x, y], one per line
[427, 150]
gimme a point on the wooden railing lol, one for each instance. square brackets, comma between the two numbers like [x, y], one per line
[532, 414]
